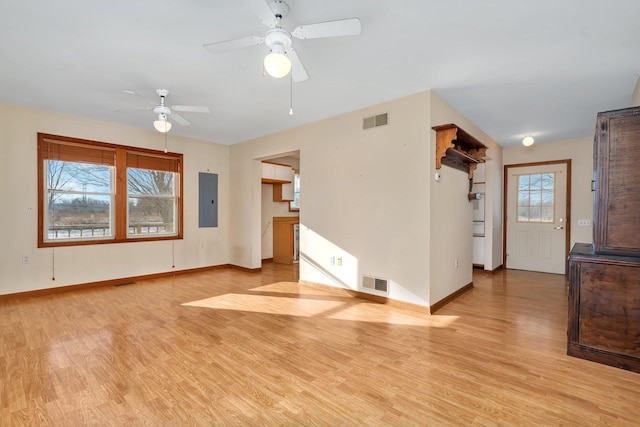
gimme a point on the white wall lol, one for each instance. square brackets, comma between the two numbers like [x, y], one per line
[368, 198]
[580, 151]
[84, 264]
[364, 197]
[451, 211]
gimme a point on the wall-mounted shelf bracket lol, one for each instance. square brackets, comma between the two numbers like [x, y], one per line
[457, 149]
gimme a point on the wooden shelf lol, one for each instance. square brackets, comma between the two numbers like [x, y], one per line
[457, 149]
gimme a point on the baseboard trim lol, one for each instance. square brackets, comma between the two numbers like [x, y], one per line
[369, 297]
[267, 260]
[446, 300]
[498, 268]
[110, 282]
[246, 269]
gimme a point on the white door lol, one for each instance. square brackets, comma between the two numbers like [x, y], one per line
[536, 218]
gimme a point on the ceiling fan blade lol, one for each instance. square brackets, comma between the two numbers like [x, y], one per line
[190, 109]
[228, 45]
[298, 73]
[343, 27]
[130, 92]
[179, 119]
[264, 12]
[133, 110]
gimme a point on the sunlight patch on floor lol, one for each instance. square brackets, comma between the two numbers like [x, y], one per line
[308, 302]
[267, 304]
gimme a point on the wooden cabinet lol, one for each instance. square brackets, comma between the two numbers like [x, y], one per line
[617, 175]
[281, 176]
[604, 308]
[285, 239]
[604, 278]
[458, 149]
[282, 192]
[274, 173]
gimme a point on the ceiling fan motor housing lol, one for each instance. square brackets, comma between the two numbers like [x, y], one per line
[278, 38]
[161, 109]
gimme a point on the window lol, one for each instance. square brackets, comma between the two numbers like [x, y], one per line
[536, 197]
[92, 192]
[151, 195]
[294, 205]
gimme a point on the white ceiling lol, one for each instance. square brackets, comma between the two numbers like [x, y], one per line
[514, 67]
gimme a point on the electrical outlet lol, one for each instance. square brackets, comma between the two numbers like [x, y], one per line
[339, 260]
[332, 260]
[456, 263]
[584, 222]
[26, 259]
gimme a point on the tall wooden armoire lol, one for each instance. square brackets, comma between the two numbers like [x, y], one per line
[604, 278]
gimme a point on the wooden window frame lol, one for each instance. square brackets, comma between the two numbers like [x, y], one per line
[119, 156]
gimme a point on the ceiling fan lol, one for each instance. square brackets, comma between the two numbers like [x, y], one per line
[164, 112]
[282, 58]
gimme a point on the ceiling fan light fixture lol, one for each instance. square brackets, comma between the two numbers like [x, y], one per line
[527, 141]
[276, 63]
[162, 124]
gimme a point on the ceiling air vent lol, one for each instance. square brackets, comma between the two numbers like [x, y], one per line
[375, 121]
[375, 283]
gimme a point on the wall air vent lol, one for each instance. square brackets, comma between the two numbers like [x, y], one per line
[375, 284]
[375, 121]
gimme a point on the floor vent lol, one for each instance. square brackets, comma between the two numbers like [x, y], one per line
[375, 121]
[375, 283]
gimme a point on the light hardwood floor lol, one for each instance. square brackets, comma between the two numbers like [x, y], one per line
[228, 347]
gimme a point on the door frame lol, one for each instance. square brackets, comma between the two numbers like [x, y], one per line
[567, 228]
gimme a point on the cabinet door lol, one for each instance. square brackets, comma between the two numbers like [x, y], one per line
[268, 171]
[604, 322]
[283, 242]
[282, 192]
[283, 173]
[287, 192]
[617, 172]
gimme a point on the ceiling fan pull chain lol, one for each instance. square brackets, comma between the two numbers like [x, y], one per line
[165, 142]
[291, 94]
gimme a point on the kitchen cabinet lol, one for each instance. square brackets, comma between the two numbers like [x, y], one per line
[281, 176]
[283, 192]
[285, 239]
[274, 173]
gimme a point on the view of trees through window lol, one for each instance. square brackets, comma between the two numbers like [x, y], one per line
[536, 197]
[79, 200]
[151, 201]
[95, 192]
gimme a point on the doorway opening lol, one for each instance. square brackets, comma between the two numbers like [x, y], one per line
[280, 211]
